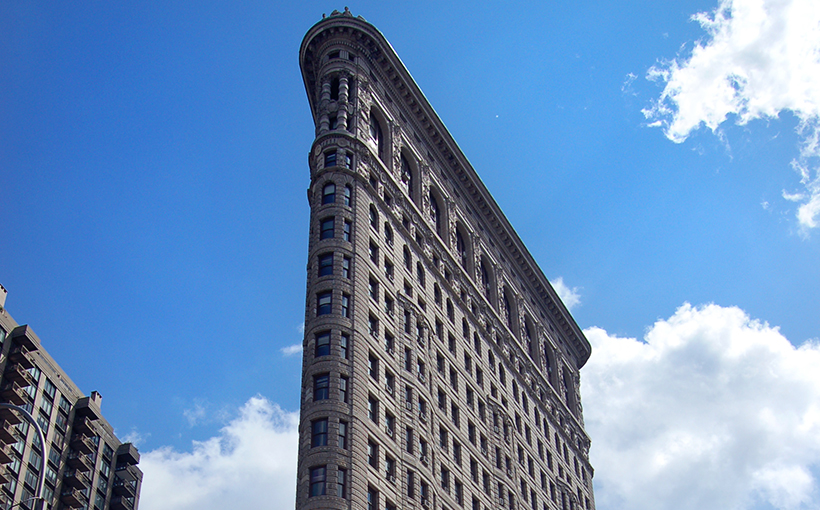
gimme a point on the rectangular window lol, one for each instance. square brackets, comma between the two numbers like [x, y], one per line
[341, 483]
[345, 305]
[330, 157]
[326, 229]
[343, 389]
[373, 409]
[373, 367]
[324, 303]
[323, 344]
[348, 227]
[372, 499]
[345, 340]
[342, 439]
[346, 267]
[373, 287]
[319, 437]
[374, 253]
[325, 264]
[49, 389]
[318, 481]
[408, 438]
[373, 454]
[321, 387]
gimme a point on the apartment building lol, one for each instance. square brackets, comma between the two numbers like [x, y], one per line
[86, 467]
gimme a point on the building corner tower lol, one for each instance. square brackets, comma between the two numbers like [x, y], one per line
[440, 368]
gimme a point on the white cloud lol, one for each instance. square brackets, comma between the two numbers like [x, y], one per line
[712, 410]
[250, 464]
[570, 296]
[759, 58]
[290, 350]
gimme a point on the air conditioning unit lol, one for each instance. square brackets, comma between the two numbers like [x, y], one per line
[423, 459]
[425, 503]
[509, 473]
[391, 478]
[388, 388]
[388, 431]
[496, 429]
[422, 377]
[423, 416]
[390, 350]
[408, 405]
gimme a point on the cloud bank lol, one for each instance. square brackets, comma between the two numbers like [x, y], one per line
[250, 464]
[759, 58]
[712, 410]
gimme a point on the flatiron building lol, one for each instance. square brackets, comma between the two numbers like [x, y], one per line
[440, 368]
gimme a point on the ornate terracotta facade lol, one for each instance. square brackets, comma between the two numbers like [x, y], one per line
[440, 368]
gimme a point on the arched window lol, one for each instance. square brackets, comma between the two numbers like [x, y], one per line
[376, 134]
[407, 176]
[329, 193]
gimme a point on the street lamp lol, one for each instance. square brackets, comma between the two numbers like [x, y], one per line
[39, 502]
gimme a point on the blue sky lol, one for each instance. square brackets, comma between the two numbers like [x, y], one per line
[153, 168]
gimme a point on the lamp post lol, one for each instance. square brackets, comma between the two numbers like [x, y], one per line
[39, 502]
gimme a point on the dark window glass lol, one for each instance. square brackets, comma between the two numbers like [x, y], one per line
[321, 387]
[330, 157]
[324, 303]
[329, 193]
[325, 264]
[326, 228]
[323, 344]
[318, 481]
[319, 433]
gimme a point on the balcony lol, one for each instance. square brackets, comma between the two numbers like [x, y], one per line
[13, 393]
[87, 408]
[4, 476]
[128, 472]
[82, 444]
[19, 375]
[23, 335]
[9, 416]
[79, 461]
[124, 488]
[19, 355]
[5, 454]
[84, 426]
[76, 479]
[127, 453]
[122, 503]
[73, 498]
[7, 433]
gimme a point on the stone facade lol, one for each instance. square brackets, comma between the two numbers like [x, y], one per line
[440, 368]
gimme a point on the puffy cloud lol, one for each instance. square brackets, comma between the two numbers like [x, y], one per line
[569, 295]
[759, 58]
[712, 409]
[250, 464]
